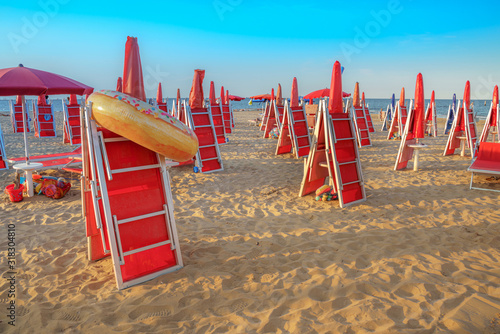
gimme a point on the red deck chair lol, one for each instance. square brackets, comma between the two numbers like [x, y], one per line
[16, 115]
[71, 128]
[228, 118]
[3, 156]
[162, 105]
[44, 123]
[360, 125]
[334, 154]
[487, 161]
[128, 206]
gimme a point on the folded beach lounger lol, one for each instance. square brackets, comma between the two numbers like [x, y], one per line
[487, 161]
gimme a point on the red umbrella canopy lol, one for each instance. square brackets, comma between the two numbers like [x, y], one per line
[402, 98]
[119, 85]
[494, 109]
[261, 97]
[159, 94]
[133, 82]
[294, 96]
[355, 98]
[196, 93]
[419, 119]
[322, 93]
[467, 94]
[28, 81]
[212, 93]
[234, 98]
[279, 96]
[335, 103]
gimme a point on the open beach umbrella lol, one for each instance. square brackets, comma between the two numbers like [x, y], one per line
[196, 93]
[294, 96]
[322, 93]
[133, 83]
[159, 94]
[119, 85]
[261, 97]
[28, 81]
[212, 93]
[279, 96]
[335, 102]
[419, 109]
[355, 98]
[234, 98]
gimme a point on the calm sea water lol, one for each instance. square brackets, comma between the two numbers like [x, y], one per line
[374, 104]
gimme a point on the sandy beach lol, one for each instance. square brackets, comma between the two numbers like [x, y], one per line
[421, 255]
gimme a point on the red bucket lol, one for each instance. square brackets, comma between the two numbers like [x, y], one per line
[15, 195]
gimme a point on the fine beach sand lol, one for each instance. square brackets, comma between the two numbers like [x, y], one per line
[421, 255]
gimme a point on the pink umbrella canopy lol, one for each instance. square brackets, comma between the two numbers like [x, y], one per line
[28, 81]
[119, 85]
[133, 82]
[159, 94]
[212, 93]
[494, 110]
[402, 98]
[419, 118]
[279, 96]
[355, 98]
[294, 96]
[335, 103]
[196, 93]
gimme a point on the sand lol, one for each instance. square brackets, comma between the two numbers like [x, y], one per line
[416, 257]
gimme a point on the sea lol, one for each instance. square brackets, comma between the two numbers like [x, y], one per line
[481, 107]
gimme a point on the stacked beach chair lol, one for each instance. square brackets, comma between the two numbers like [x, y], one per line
[227, 112]
[360, 121]
[463, 131]
[492, 121]
[44, 123]
[334, 151]
[72, 119]
[367, 113]
[16, 116]
[217, 116]
[399, 118]
[431, 117]
[3, 155]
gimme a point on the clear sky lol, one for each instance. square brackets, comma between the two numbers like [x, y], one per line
[251, 46]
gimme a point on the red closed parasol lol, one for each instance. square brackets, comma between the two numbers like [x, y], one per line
[294, 96]
[279, 96]
[196, 93]
[212, 93]
[419, 109]
[494, 110]
[73, 100]
[119, 85]
[355, 98]
[335, 103]
[133, 83]
[223, 98]
[159, 94]
[402, 98]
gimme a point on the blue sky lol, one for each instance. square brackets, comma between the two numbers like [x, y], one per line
[251, 46]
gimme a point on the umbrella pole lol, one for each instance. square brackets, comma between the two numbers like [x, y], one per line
[23, 103]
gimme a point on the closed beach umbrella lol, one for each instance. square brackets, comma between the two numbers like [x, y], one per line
[212, 93]
[393, 101]
[419, 118]
[363, 99]
[272, 94]
[23, 81]
[294, 96]
[178, 98]
[73, 100]
[41, 100]
[196, 93]
[119, 85]
[335, 103]
[133, 82]
[159, 94]
[279, 96]
[355, 98]
[223, 98]
[494, 111]
[467, 94]
[402, 98]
